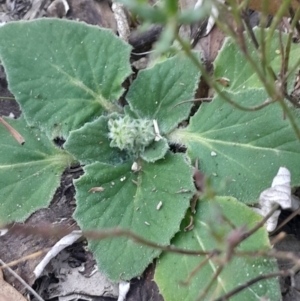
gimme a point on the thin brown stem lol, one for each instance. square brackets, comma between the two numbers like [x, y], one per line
[13, 132]
[290, 217]
[284, 7]
[251, 282]
[250, 30]
[296, 18]
[22, 281]
[279, 237]
[260, 224]
[28, 257]
[211, 282]
[197, 269]
[269, 85]
[205, 99]
[294, 23]
[213, 84]
[57, 231]
[289, 115]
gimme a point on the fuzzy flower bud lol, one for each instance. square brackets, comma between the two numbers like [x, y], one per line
[132, 135]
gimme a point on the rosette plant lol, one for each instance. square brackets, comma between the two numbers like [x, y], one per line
[68, 80]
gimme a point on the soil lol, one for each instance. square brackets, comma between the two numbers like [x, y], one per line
[12, 246]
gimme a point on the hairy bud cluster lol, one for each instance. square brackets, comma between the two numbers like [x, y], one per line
[132, 135]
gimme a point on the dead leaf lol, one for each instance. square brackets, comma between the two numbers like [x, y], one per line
[273, 7]
[223, 81]
[96, 189]
[211, 44]
[7, 292]
[93, 12]
[12, 131]
[279, 193]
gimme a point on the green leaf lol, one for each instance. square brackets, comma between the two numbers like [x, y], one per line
[90, 143]
[241, 151]
[156, 91]
[29, 174]
[129, 200]
[231, 63]
[155, 151]
[129, 112]
[209, 223]
[63, 73]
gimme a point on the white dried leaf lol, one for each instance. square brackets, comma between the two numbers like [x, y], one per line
[58, 247]
[279, 193]
[135, 167]
[156, 130]
[123, 290]
[121, 19]
[271, 223]
[214, 14]
[276, 196]
[3, 231]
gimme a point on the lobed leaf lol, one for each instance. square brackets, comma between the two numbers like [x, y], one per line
[29, 173]
[155, 151]
[129, 200]
[63, 73]
[242, 151]
[209, 221]
[90, 143]
[232, 65]
[156, 92]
